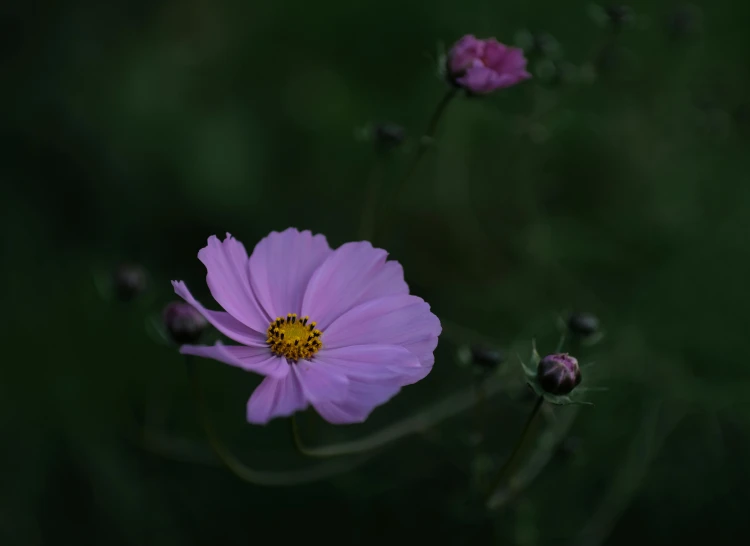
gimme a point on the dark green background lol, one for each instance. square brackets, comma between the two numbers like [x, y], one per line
[134, 130]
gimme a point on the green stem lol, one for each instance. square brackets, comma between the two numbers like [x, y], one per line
[424, 143]
[480, 410]
[560, 344]
[430, 416]
[546, 446]
[367, 223]
[507, 468]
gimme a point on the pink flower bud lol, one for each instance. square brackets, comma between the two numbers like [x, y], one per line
[483, 66]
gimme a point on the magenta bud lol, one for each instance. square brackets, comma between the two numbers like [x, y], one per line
[483, 66]
[183, 323]
[558, 374]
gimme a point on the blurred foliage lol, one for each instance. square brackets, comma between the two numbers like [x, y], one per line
[614, 182]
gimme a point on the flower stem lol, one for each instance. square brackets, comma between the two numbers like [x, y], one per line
[429, 135]
[560, 344]
[424, 143]
[507, 468]
[430, 416]
[480, 410]
[367, 222]
[259, 477]
[546, 447]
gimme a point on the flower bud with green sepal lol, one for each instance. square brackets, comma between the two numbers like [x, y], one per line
[556, 378]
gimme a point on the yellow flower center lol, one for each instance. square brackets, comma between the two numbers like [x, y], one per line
[294, 338]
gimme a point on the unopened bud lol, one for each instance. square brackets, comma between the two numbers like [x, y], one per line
[388, 135]
[558, 373]
[683, 22]
[619, 15]
[486, 358]
[129, 281]
[583, 324]
[183, 322]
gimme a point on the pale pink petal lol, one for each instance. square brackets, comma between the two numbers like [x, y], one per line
[352, 274]
[463, 53]
[227, 276]
[389, 281]
[375, 373]
[513, 62]
[253, 359]
[223, 322]
[357, 408]
[479, 80]
[391, 320]
[394, 320]
[281, 266]
[275, 398]
[495, 54]
[372, 363]
[321, 383]
[424, 349]
[336, 415]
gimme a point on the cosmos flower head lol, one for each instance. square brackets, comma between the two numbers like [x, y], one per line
[333, 329]
[483, 66]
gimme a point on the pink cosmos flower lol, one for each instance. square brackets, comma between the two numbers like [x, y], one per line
[483, 66]
[335, 329]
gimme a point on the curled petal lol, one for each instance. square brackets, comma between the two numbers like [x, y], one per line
[252, 359]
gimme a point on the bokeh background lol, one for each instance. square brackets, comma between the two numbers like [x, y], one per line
[615, 182]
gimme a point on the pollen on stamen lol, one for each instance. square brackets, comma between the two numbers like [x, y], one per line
[293, 339]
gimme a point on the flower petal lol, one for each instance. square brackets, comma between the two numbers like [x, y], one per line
[513, 62]
[479, 80]
[375, 373]
[393, 320]
[364, 398]
[424, 349]
[252, 359]
[281, 266]
[223, 322]
[275, 398]
[352, 274]
[494, 54]
[321, 383]
[227, 277]
[483, 80]
[375, 364]
[405, 321]
[463, 53]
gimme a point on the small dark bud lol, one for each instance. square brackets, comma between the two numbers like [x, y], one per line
[129, 281]
[486, 357]
[388, 135]
[583, 324]
[683, 22]
[619, 15]
[183, 323]
[558, 373]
